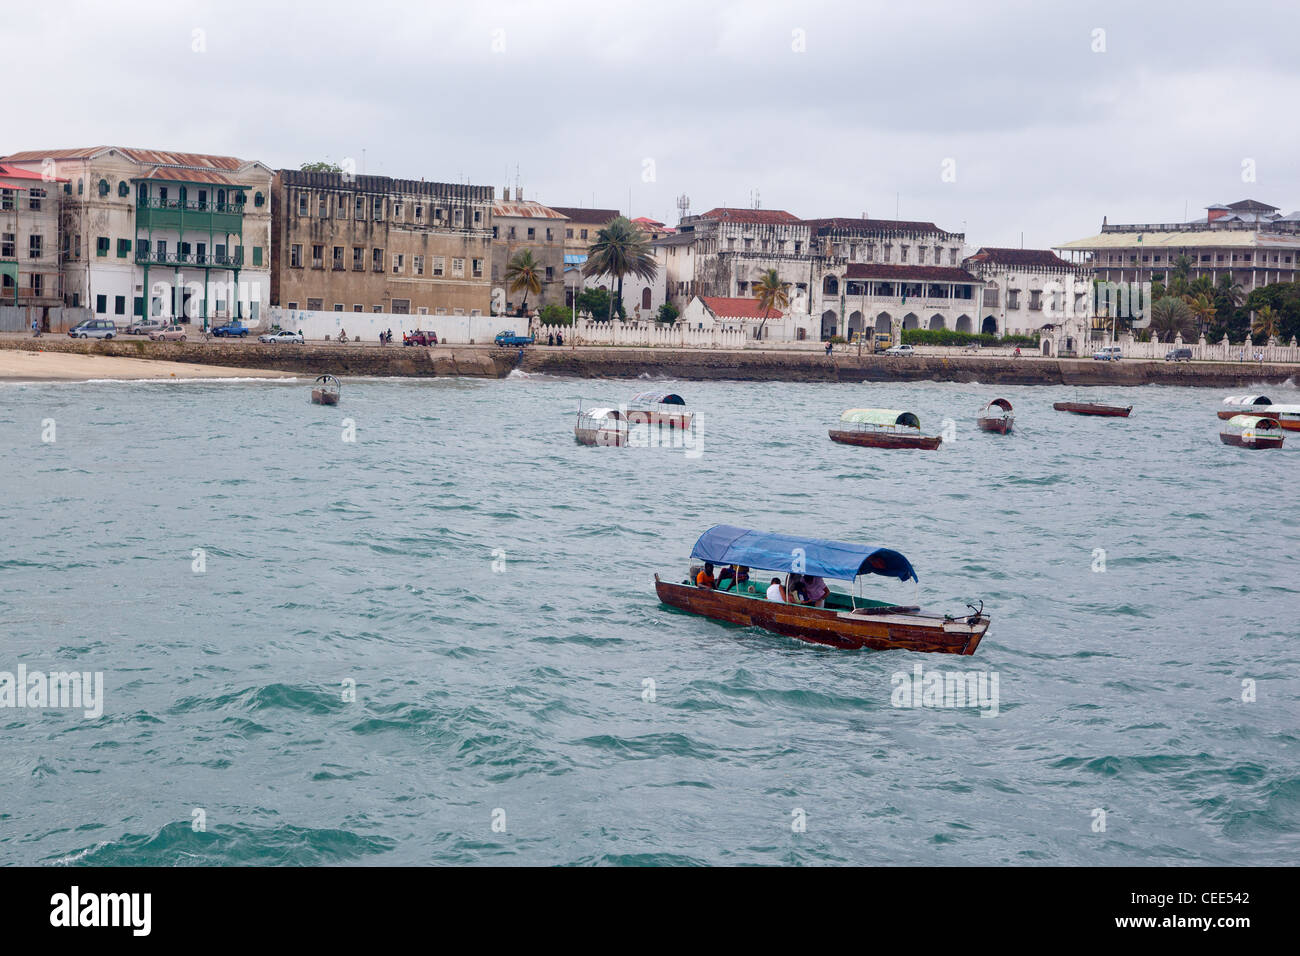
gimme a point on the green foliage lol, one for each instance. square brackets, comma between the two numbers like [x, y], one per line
[555, 315]
[667, 313]
[951, 337]
[595, 303]
[321, 167]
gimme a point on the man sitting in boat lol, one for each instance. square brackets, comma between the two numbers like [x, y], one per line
[815, 590]
[705, 578]
[775, 592]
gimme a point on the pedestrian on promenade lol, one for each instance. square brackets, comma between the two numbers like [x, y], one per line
[829, 346]
[36, 329]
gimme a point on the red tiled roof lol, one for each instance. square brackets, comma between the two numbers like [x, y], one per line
[871, 270]
[16, 172]
[588, 216]
[734, 308]
[1023, 258]
[768, 216]
[844, 224]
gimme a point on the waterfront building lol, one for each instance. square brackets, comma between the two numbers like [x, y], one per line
[884, 275]
[1248, 240]
[580, 231]
[519, 224]
[29, 238]
[350, 243]
[152, 233]
[732, 314]
[1024, 290]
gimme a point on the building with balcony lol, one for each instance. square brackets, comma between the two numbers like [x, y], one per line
[1248, 240]
[348, 243]
[519, 224]
[1024, 290]
[29, 238]
[150, 233]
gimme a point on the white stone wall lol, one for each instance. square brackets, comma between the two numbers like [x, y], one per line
[366, 326]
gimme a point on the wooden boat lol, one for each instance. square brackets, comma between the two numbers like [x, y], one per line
[326, 391]
[845, 620]
[1093, 408]
[659, 408]
[600, 426]
[1235, 405]
[991, 421]
[883, 428]
[1251, 431]
[1287, 416]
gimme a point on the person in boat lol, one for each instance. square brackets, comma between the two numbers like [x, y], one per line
[705, 578]
[815, 590]
[775, 592]
[727, 578]
[796, 591]
[742, 579]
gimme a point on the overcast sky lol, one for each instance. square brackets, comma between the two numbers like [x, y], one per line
[1041, 123]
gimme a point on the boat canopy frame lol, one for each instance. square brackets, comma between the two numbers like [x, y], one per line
[880, 417]
[657, 398]
[727, 544]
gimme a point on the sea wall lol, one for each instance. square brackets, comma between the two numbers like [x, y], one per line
[354, 360]
[690, 364]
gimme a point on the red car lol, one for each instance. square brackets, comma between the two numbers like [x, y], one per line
[419, 338]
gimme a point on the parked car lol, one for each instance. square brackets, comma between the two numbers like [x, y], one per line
[93, 329]
[1178, 355]
[145, 327]
[284, 335]
[508, 339]
[230, 328]
[899, 350]
[419, 337]
[1108, 353]
[172, 333]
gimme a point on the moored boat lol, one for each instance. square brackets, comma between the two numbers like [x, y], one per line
[600, 426]
[1235, 405]
[999, 421]
[1287, 416]
[843, 620]
[1093, 408]
[659, 408]
[326, 390]
[882, 428]
[1252, 431]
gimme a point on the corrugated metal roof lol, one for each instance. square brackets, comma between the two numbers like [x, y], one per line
[768, 216]
[1174, 240]
[587, 216]
[870, 270]
[1022, 258]
[524, 209]
[190, 175]
[154, 157]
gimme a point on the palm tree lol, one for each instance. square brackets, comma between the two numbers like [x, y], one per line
[1182, 268]
[769, 292]
[524, 274]
[1204, 311]
[1265, 323]
[620, 249]
[1171, 316]
[1230, 290]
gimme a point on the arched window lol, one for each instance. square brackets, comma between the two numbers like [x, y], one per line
[81, 187]
[830, 286]
[123, 189]
[257, 199]
[645, 299]
[103, 187]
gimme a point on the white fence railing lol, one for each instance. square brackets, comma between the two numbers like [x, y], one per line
[1221, 351]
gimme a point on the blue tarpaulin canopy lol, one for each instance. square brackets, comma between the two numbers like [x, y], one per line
[726, 544]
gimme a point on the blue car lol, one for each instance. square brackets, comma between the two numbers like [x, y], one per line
[233, 328]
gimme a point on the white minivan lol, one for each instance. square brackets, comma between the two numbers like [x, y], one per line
[1108, 353]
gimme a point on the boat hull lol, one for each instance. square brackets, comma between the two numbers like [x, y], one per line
[1091, 408]
[999, 425]
[885, 440]
[878, 631]
[1257, 442]
[1287, 423]
[667, 419]
[600, 436]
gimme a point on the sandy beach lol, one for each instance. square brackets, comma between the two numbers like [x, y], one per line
[24, 366]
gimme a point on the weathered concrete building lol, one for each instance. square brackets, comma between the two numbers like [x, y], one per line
[29, 238]
[579, 233]
[376, 244]
[519, 224]
[1025, 290]
[159, 233]
[1248, 240]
